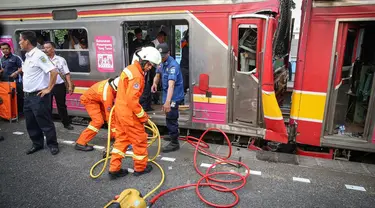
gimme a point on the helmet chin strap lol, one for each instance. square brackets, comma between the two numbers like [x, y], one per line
[143, 64]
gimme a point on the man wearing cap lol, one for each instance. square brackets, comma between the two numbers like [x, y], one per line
[173, 94]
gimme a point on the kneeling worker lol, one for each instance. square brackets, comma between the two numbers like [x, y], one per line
[98, 101]
[130, 116]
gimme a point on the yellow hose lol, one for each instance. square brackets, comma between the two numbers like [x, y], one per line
[155, 135]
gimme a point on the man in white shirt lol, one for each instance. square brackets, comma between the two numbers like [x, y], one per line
[59, 90]
[38, 80]
[160, 38]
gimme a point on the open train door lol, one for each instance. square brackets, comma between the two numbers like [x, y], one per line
[247, 36]
[254, 102]
[349, 117]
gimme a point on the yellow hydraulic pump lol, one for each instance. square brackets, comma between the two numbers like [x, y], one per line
[129, 198]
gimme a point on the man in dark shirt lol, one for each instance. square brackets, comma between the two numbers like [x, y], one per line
[137, 43]
[184, 64]
[11, 69]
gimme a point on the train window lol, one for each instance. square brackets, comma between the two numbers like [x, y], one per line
[71, 44]
[247, 47]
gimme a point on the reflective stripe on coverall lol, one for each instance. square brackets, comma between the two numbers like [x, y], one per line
[130, 119]
[98, 101]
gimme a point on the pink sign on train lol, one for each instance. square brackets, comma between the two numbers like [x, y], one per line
[6, 39]
[104, 53]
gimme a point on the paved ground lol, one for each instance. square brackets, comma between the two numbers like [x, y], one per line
[43, 180]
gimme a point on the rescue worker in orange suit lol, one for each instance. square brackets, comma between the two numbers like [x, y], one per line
[131, 118]
[98, 101]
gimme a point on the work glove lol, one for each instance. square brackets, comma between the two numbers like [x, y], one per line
[144, 119]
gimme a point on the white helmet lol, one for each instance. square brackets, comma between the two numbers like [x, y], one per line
[150, 54]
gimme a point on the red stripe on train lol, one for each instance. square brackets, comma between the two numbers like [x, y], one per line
[214, 90]
[25, 15]
[84, 83]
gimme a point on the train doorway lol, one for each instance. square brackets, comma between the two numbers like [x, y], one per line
[350, 112]
[175, 35]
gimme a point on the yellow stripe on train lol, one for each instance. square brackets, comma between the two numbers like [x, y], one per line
[271, 109]
[214, 99]
[308, 106]
[80, 90]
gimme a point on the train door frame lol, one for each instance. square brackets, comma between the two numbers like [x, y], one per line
[171, 19]
[368, 141]
[261, 21]
[126, 43]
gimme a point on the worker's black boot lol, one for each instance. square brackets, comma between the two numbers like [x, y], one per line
[167, 138]
[174, 145]
[146, 170]
[117, 174]
[83, 147]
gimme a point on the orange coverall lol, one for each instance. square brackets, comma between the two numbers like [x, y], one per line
[98, 101]
[130, 119]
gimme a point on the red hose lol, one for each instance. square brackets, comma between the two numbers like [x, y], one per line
[207, 176]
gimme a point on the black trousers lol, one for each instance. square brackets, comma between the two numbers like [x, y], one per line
[19, 87]
[185, 77]
[59, 92]
[146, 98]
[172, 122]
[39, 122]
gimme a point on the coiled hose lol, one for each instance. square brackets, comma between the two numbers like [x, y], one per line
[200, 146]
[155, 136]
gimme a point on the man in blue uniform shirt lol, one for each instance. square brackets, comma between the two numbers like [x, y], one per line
[173, 94]
[11, 69]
